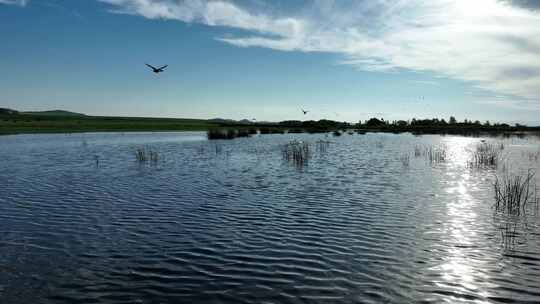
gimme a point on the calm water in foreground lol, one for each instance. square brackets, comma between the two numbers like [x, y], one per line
[232, 222]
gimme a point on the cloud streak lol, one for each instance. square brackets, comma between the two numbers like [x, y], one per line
[14, 2]
[493, 44]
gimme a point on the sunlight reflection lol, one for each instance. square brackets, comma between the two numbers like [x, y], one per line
[458, 268]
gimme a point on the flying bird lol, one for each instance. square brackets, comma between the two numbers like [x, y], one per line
[305, 112]
[157, 70]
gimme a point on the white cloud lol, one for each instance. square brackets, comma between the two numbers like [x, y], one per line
[15, 2]
[490, 43]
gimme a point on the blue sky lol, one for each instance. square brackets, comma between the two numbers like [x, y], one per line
[342, 60]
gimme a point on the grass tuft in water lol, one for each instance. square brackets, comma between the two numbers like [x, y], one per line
[228, 133]
[405, 159]
[143, 155]
[514, 192]
[486, 155]
[434, 154]
[322, 146]
[297, 152]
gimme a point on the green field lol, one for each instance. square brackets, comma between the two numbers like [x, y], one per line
[57, 123]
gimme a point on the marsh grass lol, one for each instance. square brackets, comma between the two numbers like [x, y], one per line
[514, 192]
[417, 151]
[297, 152]
[486, 155]
[322, 146]
[295, 131]
[143, 155]
[242, 133]
[405, 159]
[228, 133]
[434, 154]
[532, 156]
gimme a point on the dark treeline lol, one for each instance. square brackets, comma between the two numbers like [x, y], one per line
[415, 125]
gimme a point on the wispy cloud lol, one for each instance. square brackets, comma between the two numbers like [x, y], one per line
[494, 44]
[15, 2]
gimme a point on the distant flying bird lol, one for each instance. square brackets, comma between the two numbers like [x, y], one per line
[157, 70]
[305, 112]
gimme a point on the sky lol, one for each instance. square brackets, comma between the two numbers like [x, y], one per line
[345, 60]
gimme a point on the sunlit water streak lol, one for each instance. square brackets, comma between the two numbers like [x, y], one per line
[232, 222]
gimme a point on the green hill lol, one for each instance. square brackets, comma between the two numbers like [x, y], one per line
[6, 111]
[54, 113]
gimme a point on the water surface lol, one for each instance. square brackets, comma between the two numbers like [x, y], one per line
[81, 221]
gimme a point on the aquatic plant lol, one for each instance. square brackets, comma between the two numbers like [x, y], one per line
[336, 133]
[434, 154]
[265, 130]
[486, 155]
[322, 146]
[226, 133]
[242, 133]
[143, 155]
[513, 192]
[297, 152]
[405, 159]
[296, 131]
[417, 151]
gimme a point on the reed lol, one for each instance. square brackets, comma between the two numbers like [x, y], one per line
[297, 152]
[417, 151]
[295, 131]
[227, 133]
[242, 133]
[265, 130]
[143, 155]
[322, 146]
[485, 155]
[405, 159]
[513, 192]
[434, 154]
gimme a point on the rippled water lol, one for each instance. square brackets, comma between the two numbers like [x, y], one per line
[232, 222]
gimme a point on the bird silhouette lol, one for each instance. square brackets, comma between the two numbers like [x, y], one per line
[305, 112]
[157, 70]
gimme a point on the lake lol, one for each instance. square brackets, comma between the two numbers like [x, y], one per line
[368, 219]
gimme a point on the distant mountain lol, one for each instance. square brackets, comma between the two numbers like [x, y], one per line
[55, 113]
[7, 111]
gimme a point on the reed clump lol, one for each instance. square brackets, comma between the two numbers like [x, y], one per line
[227, 133]
[336, 133]
[242, 133]
[486, 155]
[295, 131]
[513, 192]
[322, 146]
[297, 152]
[143, 155]
[405, 159]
